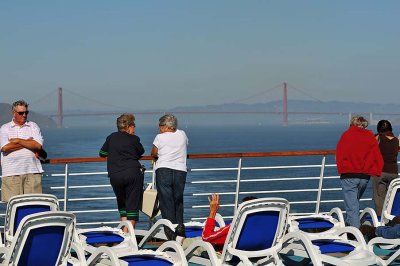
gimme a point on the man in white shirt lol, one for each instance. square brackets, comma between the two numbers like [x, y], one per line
[20, 140]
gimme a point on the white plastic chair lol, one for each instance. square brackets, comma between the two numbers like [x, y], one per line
[255, 233]
[41, 239]
[22, 205]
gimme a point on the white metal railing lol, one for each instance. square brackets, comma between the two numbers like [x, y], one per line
[235, 182]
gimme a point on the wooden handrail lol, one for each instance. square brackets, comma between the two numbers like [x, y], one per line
[204, 156]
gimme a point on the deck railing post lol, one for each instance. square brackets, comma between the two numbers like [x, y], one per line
[238, 184]
[321, 179]
[66, 174]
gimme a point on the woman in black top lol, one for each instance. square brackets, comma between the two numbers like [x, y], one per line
[123, 151]
[389, 146]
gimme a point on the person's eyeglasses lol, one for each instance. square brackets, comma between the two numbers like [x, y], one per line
[22, 113]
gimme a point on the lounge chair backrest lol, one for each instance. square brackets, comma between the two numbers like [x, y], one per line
[258, 225]
[22, 205]
[391, 204]
[259, 231]
[43, 239]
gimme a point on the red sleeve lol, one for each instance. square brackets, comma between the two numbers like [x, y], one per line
[340, 154]
[214, 237]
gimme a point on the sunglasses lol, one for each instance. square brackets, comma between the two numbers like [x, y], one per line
[22, 113]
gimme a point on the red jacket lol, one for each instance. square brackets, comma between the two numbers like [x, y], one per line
[358, 152]
[216, 238]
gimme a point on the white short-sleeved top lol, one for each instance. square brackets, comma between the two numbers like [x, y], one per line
[172, 150]
[22, 161]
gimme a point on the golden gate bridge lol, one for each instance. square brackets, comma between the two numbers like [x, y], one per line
[61, 114]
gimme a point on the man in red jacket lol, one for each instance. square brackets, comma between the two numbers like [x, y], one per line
[357, 157]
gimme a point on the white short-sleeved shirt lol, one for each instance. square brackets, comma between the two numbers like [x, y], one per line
[172, 150]
[22, 161]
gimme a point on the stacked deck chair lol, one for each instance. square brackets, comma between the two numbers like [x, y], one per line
[330, 249]
[255, 234]
[169, 253]
[390, 248]
[41, 239]
[22, 205]
[390, 209]
[115, 237]
[319, 224]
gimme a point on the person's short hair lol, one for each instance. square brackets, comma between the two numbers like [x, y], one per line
[248, 198]
[359, 121]
[19, 103]
[384, 126]
[124, 121]
[168, 120]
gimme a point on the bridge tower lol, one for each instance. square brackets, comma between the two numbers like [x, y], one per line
[60, 115]
[285, 105]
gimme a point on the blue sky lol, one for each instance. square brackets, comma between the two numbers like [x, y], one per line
[161, 54]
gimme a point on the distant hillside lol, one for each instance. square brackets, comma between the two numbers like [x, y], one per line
[325, 112]
[42, 120]
[298, 106]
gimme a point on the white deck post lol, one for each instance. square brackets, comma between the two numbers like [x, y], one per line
[238, 185]
[66, 173]
[321, 179]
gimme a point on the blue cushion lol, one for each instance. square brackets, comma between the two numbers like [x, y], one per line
[310, 223]
[23, 211]
[396, 204]
[93, 238]
[193, 231]
[328, 246]
[258, 231]
[42, 246]
[145, 260]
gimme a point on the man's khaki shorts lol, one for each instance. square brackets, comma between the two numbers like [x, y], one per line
[20, 184]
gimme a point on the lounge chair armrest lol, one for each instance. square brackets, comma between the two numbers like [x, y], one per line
[381, 240]
[5, 251]
[355, 232]
[80, 253]
[369, 212]
[208, 248]
[220, 220]
[154, 230]
[293, 240]
[338, 214]
[128, 224]
[100, 251]
[177, 249]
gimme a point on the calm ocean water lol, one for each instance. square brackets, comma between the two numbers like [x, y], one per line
[86, 142]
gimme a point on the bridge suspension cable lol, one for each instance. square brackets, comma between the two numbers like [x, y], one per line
[256, 95]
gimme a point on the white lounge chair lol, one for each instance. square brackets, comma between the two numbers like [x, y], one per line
[255, 233]
[169, 253]
[331, 250]
[41, 239]
[391, 209]
[22, 205]
[319, 224]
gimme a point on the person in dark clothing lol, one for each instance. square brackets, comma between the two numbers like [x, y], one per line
[390, 231]
[123, 151]
[389, 147]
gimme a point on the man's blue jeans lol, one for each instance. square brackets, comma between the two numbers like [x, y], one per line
[390, 232]
[353, 189]
[170, 185]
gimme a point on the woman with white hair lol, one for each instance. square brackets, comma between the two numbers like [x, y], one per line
[170, 151]
[357, 157]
